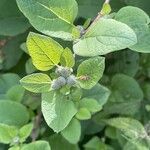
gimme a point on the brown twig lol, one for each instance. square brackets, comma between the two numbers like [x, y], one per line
[37, 122]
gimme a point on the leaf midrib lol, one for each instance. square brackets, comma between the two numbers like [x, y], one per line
[55, 13]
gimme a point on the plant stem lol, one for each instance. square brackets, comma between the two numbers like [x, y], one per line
[37, 122]
[98, 16]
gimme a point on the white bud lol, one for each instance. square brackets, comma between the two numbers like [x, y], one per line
[58, 83]
[71, 80]
[63, 71]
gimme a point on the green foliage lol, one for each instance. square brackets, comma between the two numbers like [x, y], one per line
[38, 145]
[55, 110]
[37, 82]
[74, 128]
[95, 42]
[57, 16]
[44, 51]
[90, 71]
[74, 75]
[12, 22]
[138, 20]
[13, 113]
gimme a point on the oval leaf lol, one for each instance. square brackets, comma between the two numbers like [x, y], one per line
[54, 18]
[90, 71]
[57, 110]
[37, 82]
[103, 37]
[72, 132]
[44, 51]
[13, 113]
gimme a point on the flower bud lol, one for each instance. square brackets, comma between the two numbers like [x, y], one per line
[58, 83]
[63, 71]
[71, 80]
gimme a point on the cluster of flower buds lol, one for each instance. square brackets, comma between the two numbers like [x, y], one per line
[65, 78]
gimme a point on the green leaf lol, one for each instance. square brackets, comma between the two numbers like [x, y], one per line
[67, 58]
[91, 104]
[7, 81]
[30, 68]
[72, 132]
[146, 90]
[37, 82]
[83, 114]
[93, 6]
[143, 4]
[105, 36]
[130, 127]
[14, 148]
[7, 133]
[58, 110]
[106, 9]
[38, 145]
[54, 18]
[76, 93]
[11, 52]
[95, 144]
[98, 92]
[57, 142]
[139, 21]
[136, 145]
[15, 93]
[13, 113]
[126, 62]
[120, 108]
[12, 22]
[125, 88]
[24, 132]
[90, 71]
[44, 51]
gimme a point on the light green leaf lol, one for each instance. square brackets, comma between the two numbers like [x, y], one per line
[90, 71]
[105, 36]
[136, 145]
[37, 82]
[139, 21]
[83, 114]
[106, 9]
[38, 145]
[25, 131]
[98, 92]
[58, 110]
[7, 133]
[72, 132]
[44, 51]
[125, 88]
[130, 127]
[54, 18]
[13, 113]
[14, 148]
[91, 104]
[57, 142]
[15, 93]
[67, 58]
[12, 22]
[95, 144]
